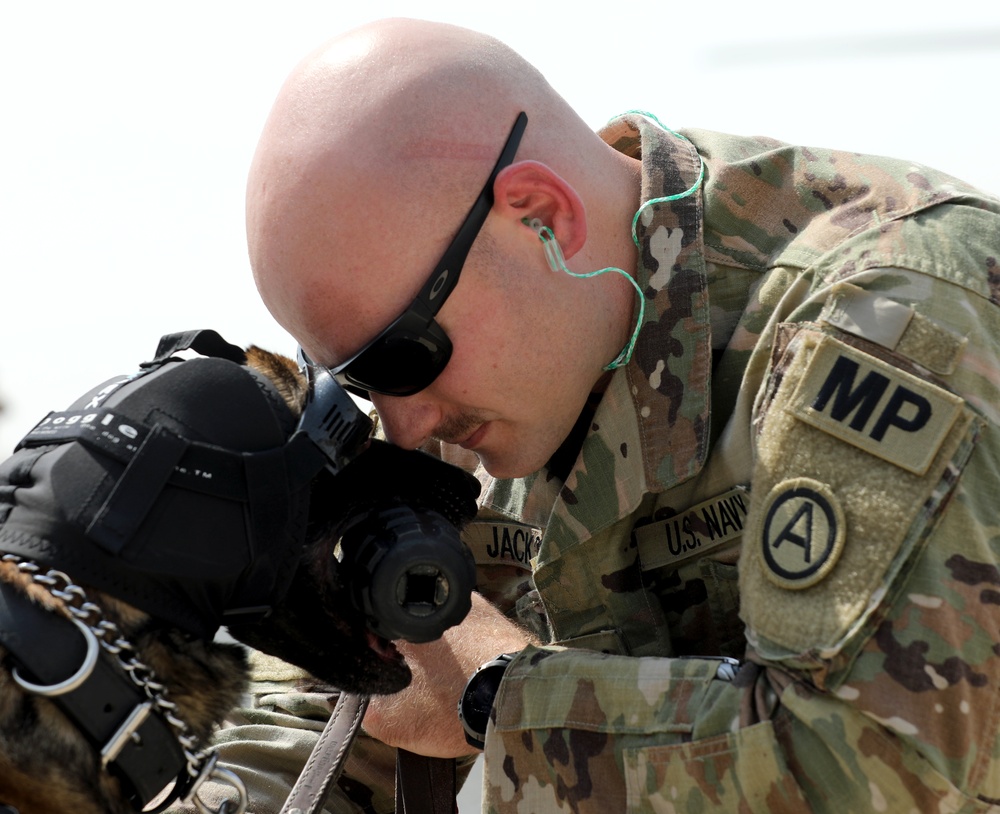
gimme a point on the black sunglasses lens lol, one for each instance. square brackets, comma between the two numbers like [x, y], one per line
[400, 364]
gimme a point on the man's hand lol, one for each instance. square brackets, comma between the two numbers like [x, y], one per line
[423, 718]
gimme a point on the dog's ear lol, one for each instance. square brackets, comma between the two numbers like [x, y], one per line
[283, 373]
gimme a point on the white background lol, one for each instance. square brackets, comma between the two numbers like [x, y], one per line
[127, 128]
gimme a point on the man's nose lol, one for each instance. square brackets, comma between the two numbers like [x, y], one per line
[407, 421]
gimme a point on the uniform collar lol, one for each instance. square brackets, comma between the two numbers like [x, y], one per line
[656, 408]
[669, 377]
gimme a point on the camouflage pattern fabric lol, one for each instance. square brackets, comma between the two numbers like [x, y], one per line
[809, 313]
[797, 469]
[269, 738]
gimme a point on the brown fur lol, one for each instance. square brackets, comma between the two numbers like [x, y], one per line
[46, 766]
[284, 375]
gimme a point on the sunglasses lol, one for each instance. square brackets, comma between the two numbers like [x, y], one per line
[411, 353]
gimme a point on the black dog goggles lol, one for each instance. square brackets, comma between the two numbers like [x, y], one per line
[411, 353]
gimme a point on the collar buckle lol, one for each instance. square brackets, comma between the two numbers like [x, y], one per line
[127, 731]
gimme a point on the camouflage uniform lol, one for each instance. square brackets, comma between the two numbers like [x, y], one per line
[821, 332]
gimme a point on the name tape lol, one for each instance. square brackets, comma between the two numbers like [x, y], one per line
[693, 532]
[503, 543]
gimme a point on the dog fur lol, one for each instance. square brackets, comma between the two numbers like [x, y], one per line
[47, 766]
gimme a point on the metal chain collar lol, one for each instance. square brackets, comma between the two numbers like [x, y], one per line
[201, 764]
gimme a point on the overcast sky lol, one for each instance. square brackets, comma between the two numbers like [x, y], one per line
[127, 129]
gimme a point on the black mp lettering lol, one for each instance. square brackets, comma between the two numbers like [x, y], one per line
[864, 398]
[891, 414]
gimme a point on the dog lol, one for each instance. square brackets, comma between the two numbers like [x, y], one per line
[114, 574]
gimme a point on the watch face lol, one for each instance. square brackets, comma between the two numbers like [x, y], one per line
[477, 700]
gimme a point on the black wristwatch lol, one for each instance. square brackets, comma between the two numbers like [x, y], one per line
[476, 703]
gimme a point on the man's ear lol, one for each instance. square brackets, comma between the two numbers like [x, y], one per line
[531, 189]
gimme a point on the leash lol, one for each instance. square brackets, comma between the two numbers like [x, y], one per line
[120, 716]
[326, 761]
[424, 785]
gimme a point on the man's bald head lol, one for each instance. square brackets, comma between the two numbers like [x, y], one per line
[377, 145]
[376, 148]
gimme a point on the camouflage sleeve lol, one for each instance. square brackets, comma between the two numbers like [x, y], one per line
[267, 740]
[869, 581]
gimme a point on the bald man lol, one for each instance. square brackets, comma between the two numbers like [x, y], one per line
[735, 405]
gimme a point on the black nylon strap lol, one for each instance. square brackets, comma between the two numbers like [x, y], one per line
[137, 489]
[266, 476]
[204, 341]
[48, 649]
[203, 468]
[424, 785]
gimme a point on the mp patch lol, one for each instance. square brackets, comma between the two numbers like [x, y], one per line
[803, 533]
[839, 520]
[875, 406]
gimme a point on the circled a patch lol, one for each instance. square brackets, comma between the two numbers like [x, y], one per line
[803, 533]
